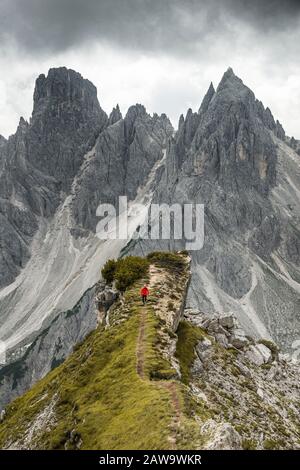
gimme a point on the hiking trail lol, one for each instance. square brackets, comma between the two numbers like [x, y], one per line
[170, 385]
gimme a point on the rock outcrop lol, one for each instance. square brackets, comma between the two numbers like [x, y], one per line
[115, 116]
[251, 388]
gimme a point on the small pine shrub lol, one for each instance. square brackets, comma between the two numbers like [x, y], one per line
[109, 270]
[125, 271]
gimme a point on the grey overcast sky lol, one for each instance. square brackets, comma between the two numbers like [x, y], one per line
[162, 53]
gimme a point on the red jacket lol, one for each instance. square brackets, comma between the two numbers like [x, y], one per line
[144, 291]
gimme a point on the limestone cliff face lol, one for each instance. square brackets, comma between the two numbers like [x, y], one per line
[121, 162]
[42, 158]
[233, 157]
[65, 122]
[54, 172]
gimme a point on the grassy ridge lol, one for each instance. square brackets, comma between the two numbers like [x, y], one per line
[99, 389]
[99, 399]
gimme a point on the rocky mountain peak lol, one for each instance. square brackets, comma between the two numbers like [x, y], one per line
[114, 116]
[67, 119]
[64, 85]
[181, 121]
[65, 99]
[229, 76]
[134, 112]
[207, 98]
[22, 126]
[231, 88]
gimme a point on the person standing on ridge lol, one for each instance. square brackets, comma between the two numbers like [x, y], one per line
[144, 294]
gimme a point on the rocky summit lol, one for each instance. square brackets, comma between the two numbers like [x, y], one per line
[214, 354]
[233, 157]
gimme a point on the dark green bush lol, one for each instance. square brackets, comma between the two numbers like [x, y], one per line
[125, 271]
[109, 270]
[129, 270]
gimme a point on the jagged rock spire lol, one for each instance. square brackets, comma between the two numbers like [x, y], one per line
[181, 121]
[233, 83]
[134, 112]
[207, 98]
[114, 116]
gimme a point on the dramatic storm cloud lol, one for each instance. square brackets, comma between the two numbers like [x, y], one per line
[160, 53]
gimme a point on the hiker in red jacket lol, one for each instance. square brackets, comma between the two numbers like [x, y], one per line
[144, 294]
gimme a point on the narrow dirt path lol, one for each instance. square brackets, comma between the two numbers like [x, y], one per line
[169, 385]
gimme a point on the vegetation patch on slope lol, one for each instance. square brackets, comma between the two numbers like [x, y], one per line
[125, 271]
[171, 261]
[188, 338]
[100, 395]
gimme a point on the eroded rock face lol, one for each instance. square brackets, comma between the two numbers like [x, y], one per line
[233, 157]
[54, 172]
[227, 331]
[121, 162]
[115, 116]
[106, 296]
[253, 393]
[238, 339]
[39, 162]
[65, 123]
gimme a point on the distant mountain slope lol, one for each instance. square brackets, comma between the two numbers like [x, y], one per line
[54, 172]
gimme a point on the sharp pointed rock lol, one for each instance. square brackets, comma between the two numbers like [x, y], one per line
[181, 121]
[230, 80]
[207, 98]
[115, 116]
